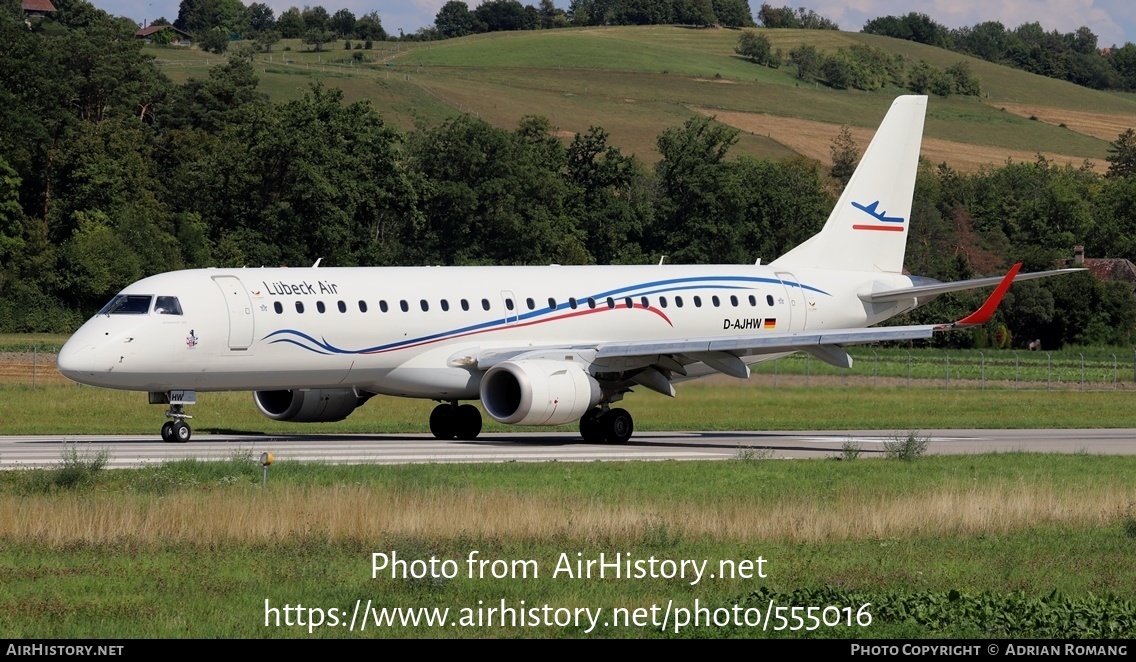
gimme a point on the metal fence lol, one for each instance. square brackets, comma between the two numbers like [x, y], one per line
[31, 366]
[1087, 370]
[1084, 370]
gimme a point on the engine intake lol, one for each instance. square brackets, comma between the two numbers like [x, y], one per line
[538, 392]
[317, 405]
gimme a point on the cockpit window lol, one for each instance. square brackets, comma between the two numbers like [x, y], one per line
[128, 304]
[167, 306]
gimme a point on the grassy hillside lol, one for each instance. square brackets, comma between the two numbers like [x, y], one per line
[637, 81]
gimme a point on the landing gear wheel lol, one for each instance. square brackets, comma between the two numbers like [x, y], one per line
[466, 422]
[442, 422]
[181, 432]
[617, 426]
[590, 427]
[168, 431]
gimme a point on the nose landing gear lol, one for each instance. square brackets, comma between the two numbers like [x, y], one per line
[176, 430]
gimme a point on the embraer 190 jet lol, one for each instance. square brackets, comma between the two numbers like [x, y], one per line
[542, 345]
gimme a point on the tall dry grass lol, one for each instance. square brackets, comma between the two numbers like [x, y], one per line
[355, 512]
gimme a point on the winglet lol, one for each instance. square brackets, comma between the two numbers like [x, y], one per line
[983, 314]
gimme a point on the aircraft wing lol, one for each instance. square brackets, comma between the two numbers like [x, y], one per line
[724, 353]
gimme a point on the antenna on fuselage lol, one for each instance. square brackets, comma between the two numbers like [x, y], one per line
[758, 263]
[317, 263]
[662, 260]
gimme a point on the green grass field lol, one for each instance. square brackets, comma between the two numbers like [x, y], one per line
[762, 404]
[638, 81]
[1000, 545]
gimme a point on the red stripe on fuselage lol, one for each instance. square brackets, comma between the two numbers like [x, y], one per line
[518, 325]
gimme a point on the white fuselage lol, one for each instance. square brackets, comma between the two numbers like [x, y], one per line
[404, 330]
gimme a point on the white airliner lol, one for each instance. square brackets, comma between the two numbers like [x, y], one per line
[536, 345]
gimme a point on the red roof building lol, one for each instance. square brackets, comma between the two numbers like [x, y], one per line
[37, 8]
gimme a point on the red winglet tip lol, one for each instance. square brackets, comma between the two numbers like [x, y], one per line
[983, 314]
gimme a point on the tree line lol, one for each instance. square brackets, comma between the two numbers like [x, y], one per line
[1070, 56]
[109, 172]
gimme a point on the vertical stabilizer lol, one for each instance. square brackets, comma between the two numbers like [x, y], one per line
[867, 230]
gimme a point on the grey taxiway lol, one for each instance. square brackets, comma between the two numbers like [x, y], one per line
[137, 450]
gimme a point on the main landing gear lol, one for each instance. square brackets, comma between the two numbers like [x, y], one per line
[450, 421]
[176, 430]
[613, 426]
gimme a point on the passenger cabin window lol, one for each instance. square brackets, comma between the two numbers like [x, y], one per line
[646, 302]
[551, 303]
[278, 307]
[362, 306]
[769, 299]
[734, 301]
[403, 305]
[299, 306]
[128, 304]
[591, 302]
[572, 303]
[629, 302]
[715, 301]
[465, 305]
[383, 305]
[167, 306]
[342, 307]
[662, 302]
[485, 304]
[530, 303]
[752, 300]
[508, 304]
[320, 307]
[445, 305]
[697, 301]
[425, 305]
[610, 302]
[678, 301]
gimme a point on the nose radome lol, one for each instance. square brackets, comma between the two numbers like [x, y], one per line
[76, 358]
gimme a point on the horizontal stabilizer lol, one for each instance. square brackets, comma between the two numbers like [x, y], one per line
[936, 289]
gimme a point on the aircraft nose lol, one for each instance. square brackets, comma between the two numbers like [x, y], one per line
[76, 358]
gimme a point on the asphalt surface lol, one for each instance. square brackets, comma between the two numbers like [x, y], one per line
[137, 450]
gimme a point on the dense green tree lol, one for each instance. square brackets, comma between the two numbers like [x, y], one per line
[214, 103]
[489, 196]
[733, 13]
[913, 26]
[291, 24]
[315, 18]
[1122, 155]
[201, 16]
[845, 156]
[612, 206]
[504, 15]
[214, 41]
[963, 80]
[756, 47]
[693, 179]
[317, 38]
[454, 20]
[806, 61]
[261, 17]
[342, 23]
[551, 16]
[370, 27]
[11, 214]
[787, 17]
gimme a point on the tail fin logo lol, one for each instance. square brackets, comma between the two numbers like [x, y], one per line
[895, 221]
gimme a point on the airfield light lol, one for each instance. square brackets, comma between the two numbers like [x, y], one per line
[265, 460]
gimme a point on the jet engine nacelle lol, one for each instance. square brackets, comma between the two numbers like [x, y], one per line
[538, 392]
[317, 405]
